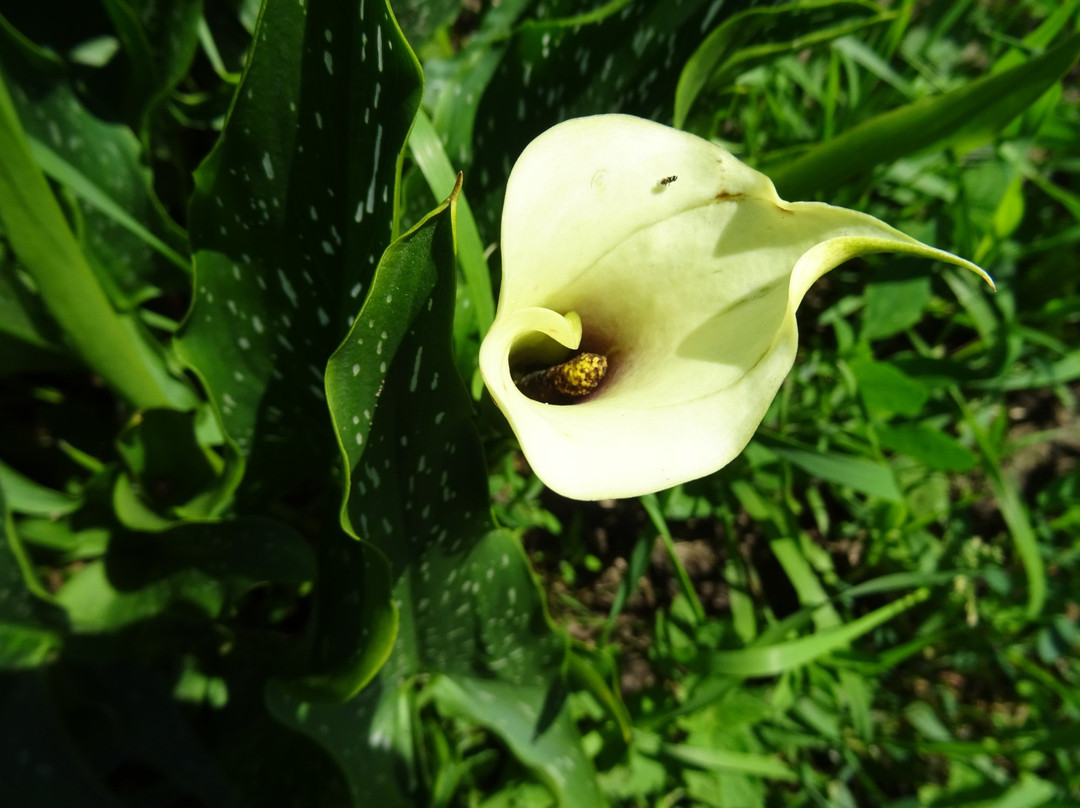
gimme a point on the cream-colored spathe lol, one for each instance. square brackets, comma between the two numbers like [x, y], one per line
[690, 289]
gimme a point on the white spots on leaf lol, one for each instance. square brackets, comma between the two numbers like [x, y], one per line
[244, 343]
[328, 248]
[314, 213]
[359, 439]
[416, 370]
[378, 46]
[706, 21]
[435, 382]
[328, 60]
[329, 35]
[318, 120]
[357, 288]
[389, 299]
[378, 91]
[268, 166]
[370, 203]
[439, 416]
[324, 318]
[287, 288]
[355, 370]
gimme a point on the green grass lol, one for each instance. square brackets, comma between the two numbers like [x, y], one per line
[243, 564]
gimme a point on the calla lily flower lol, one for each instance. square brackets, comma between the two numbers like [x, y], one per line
[647, 313]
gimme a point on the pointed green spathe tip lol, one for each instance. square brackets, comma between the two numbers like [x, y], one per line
[664, 273]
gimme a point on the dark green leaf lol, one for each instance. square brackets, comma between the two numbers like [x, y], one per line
[895, 305]
[196, 568]
[29, 634]
[171, 471]
[468, 606]
[857, 473]
[39, 763]
[928, 445]
[886, 390]
[132, 245]
[111, 344]
[292, 210]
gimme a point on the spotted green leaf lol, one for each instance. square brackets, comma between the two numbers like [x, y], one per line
[110, 343]
[468, 607]
[292, 210]
[132, 245]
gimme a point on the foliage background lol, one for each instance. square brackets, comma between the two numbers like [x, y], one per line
[263, 546]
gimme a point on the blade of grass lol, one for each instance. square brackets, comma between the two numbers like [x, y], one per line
[807, 586]
[639, 557]
[1006, 492]
[652, 507]
[770, 660]
[427, 150]
[860, 474]
[964, 117]
[727, 760]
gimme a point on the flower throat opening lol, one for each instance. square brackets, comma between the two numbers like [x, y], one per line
[569, 382]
